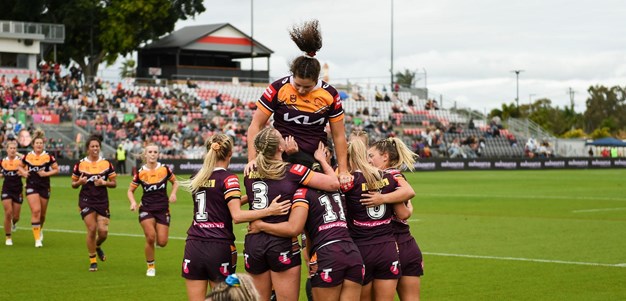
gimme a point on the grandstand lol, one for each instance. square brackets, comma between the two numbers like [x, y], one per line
[177, 116]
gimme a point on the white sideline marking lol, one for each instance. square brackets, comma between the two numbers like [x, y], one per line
[599, 210]
[539, 197]
[617, 265]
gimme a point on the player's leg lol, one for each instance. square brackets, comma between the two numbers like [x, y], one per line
[149, 230]
[35, 216]
[90, 220]
[263, 284]
[8, 220]
[103, 233]
[287, 283]
[196, 289]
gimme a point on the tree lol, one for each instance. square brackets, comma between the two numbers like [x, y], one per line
[128, 68]
[606, 107]
[98, 31]
[406, 79]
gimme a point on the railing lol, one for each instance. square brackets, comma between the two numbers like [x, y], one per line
[53, 33]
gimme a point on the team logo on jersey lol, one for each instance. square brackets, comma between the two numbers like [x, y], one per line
[283, 258]
[300, 193]
[394, 268]
[325, 275]
[231, 182]
[298, 169]
[245, 260]
[303, 119]
[292, 98]
[319, 102]
[186, 266]
[224, 268]
[269, 93]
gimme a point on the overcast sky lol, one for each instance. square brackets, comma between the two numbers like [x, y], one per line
[468, 48]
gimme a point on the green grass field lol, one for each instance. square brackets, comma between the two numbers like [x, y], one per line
[493, 235]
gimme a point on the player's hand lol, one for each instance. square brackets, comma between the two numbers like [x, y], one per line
[82, 180]
[372, 199]
[249, 167]
[279, 208]
[291, 145]
[42, 173]
[320, 153]
[254, 227]
[133, 206]
[346, 181]
[100, 182]
[172, 198]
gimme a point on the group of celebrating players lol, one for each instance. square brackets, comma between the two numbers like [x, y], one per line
[352, 213]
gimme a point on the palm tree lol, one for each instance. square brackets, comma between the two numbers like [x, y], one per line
[128, 68]
[406, 79]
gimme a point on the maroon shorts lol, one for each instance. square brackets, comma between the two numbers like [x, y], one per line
[209, 260]
[332, 264]
[411, 258]
[99, 208]
[265, 252]
[381, 261]
[16, 197]
[161, 217]
[43, 192]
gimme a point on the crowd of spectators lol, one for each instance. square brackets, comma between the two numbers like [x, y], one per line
[179, 121]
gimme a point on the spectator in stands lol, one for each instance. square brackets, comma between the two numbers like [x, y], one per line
[604, 153]
[191, 84]
[455, 150]
[303, 84]
[120, 156]
[386, 98]
[24, 139]
[590, 152]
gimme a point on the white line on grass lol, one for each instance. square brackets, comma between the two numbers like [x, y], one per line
[537, 197]
[619, 265]
[599, 210]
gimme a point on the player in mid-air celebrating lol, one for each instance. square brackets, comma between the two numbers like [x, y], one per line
[302, 104]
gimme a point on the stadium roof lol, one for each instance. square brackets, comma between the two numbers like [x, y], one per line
[607, 142]
[221, 37]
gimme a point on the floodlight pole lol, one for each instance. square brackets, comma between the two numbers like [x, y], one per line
[251, 42]
[391, 69]
[517, 72]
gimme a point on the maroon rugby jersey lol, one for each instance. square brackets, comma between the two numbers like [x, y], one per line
[400, 226]
[302, 116]
[261, 192]
[211, 216]
[154, 184]
[34, 163]
[326, 221]
[93, 170]
[12, 180]
[368, 225]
